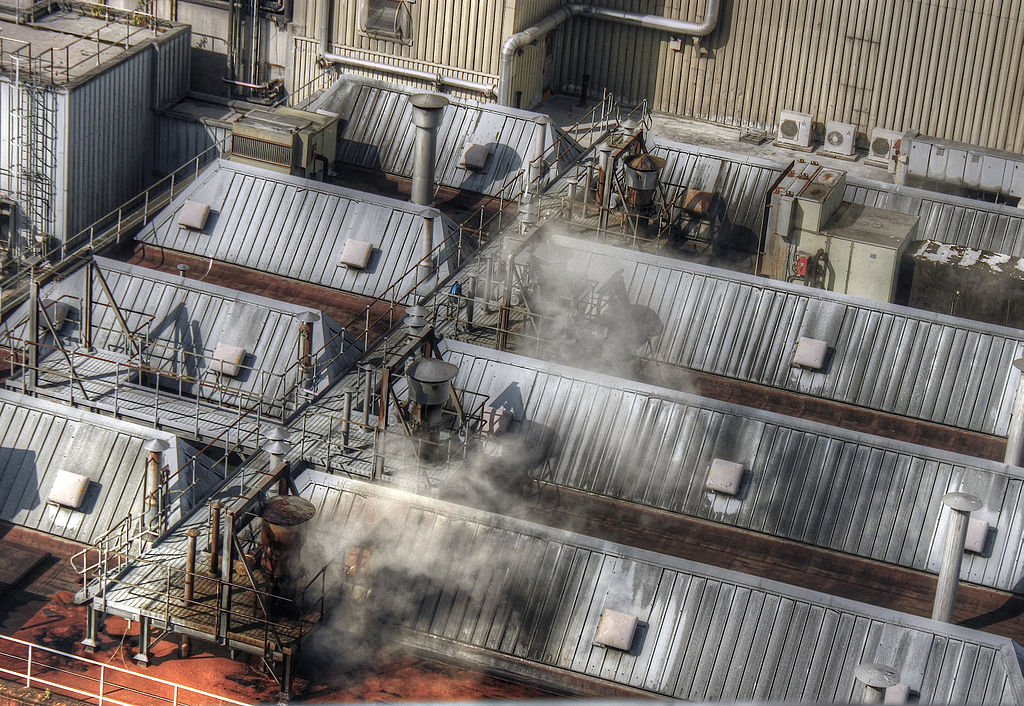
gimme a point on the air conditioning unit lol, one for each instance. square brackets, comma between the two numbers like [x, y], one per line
[285, 140]
[794, 130]
[882, 150]
[839, 140]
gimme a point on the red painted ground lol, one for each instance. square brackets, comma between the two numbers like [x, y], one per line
[61, 625]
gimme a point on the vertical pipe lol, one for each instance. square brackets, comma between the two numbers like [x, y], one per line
[91, 629]
[608, 170]
[426, 265]
[505, 313]
[33, 331]
[427, 112]
[537, 171]
[190, 578]
[471, 300]
[1015, 436]
[960, 507]
[367, 392]
[87, 310]
[875, 678]
[215, 508]
[345, 423]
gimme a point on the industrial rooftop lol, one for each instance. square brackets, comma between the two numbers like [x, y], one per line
[482, 349]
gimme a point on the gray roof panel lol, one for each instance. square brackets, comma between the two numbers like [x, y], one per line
[712, 634]
[297, 228]
[41, 438]
[377, 133]
[837, 489]
[885, 357]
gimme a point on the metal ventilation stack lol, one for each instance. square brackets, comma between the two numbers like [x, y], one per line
[430, 385]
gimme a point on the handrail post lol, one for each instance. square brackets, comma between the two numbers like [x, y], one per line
[28, 668]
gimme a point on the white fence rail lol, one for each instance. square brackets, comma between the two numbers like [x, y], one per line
[87, 680]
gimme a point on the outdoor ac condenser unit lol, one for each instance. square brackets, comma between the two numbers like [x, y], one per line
[839, 140]
[794, 130]
[285, 140]
[882, 150]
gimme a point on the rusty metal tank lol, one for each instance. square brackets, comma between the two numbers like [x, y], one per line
[642, 173]
[285, 519]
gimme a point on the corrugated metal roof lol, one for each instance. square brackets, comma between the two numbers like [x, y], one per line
[531, 593]
[378, 134]
[38, 438]
[185, 319]
[297, 228]
[885, 357]
[829, 487]
[741, 182]
[948, 219]
[534, 595]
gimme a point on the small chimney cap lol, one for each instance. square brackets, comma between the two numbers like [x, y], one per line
[156, 446]
[417, 310]
[308, 317]
[276, 432]
[1019, 364]
[277, 448]
[965, 502]
[429, 101]
[879, 676]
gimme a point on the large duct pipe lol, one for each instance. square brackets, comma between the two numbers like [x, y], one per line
[427, 112]
[426, 265]
[434, 79]
[876, 678]
[513, 44]
[1015, 436]
[960, 505]
[540, 145]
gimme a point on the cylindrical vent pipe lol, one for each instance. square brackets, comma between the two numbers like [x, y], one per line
[876, 678]
[215, 508]
[426, 266]
[537, 165]
[154, 454]
[427, 112]
[1015, 436]
[960, 505]
[284, 521]
[190, 580]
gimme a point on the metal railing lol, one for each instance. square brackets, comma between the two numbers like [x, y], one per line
[40, 667]
[112, 227]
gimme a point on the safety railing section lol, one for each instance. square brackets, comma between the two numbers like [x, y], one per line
[244, 607]
[111, 228]
[54, 66]
[57, 672]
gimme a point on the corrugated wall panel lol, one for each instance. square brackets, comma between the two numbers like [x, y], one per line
[110, 143]
[885, 63]
[178, 141]
[452, 33]
[174, 57]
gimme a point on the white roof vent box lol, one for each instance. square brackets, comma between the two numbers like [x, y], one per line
[193, 215]
[620, 631]
[475, 155]
[356, 254]
[839, 140]
[68, 489]
[725, 477]
[977, 536]
[794, 130]
[226, 359]
[810, 354]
